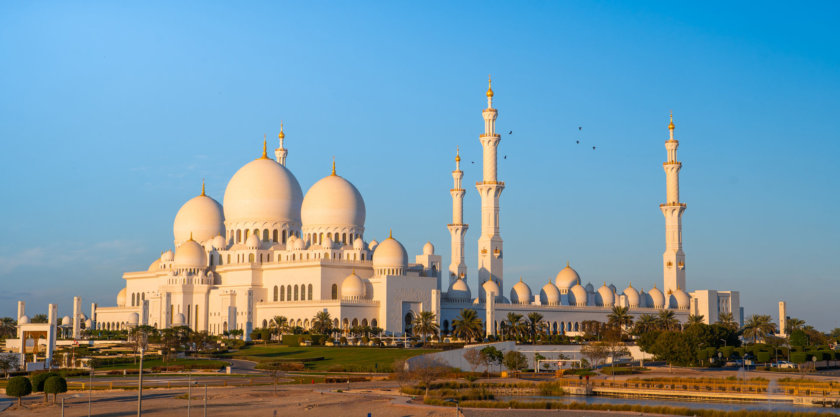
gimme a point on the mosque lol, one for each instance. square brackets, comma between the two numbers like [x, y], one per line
[269, 250]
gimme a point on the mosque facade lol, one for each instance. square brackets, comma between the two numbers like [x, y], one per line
[269, 250]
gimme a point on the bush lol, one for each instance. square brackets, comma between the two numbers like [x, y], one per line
[19, 387]
[291, 340]
[343, 340]
[762, 357]
[799, 357]
[55, 385]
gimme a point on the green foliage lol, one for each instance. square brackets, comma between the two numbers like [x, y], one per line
[55, 385]
[798, 338]
[515, 361]
[762, 357]
[291, 340]
[18, 386]
[39, 379]
[674, 348]
[799, 357]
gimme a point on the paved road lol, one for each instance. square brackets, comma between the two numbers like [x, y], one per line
[5, 403]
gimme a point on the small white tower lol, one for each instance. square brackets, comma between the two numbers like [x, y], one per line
[457, 229]
[490, 189]
[281, 152]
[673, 259]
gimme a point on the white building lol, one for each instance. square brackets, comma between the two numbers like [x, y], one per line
[269, 251]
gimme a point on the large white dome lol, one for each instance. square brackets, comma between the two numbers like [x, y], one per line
[201, 218]
[550, 295]
[263, 191]
[578, 296]
[679, 299]
[633, 298]
[520, 293]
[121, 298]
[190, 255]
[567, 278]
[391, 255]
[605, 296]
[352, 287]
[333, 201]
[655, 298]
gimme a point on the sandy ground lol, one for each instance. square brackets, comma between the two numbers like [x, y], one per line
[375, 399]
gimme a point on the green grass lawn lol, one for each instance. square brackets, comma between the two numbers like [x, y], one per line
[149, 364]
[351, 359]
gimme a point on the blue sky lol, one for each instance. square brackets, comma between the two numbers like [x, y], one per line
[112, 113]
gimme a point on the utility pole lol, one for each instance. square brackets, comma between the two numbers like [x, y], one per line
[189, 392]
[205, 400]
[140, 384]
[90, 388]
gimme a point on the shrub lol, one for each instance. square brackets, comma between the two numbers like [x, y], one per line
[343, 340]
[55, 385]
[19, 387]
[38, 381]
[762, 357]
[799, 357]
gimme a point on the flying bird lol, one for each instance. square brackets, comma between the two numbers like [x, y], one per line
[510, 133]
[505, 156]
[580, 128]
[578, 142]
[593, 148]
[473, 161]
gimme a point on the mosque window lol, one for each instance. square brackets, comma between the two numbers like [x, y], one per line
[309, 292]
[261, 258]
[275, 293]
[238, 236]
[289, 293]
[265, 235]
[320, 238]
[363, 256]
[228, 260]
[251, 257]
[282, 293]
[329, 235]
[274, 236]
[296, 292]
[334, 292]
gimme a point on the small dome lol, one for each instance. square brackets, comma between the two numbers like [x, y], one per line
[23, 320]
[428, 249]
[263, 191]
[155, 265]
[133, 319]
[167, 256]
[605, 296]
[578, 296]
[632, 295]
[656, 298]
[328, 243]
[88, 324]
[567, 278]
[333, 201]
[679, 299]
[219, 242]
[65, 321]
[459, 290]
[300, 244]
[358, 244]
[178, 320]
[372, 245]
[550, 295]
[353, 287]
[491, 286]
[121, 298]
[253, 242]
[190, 255]
[390, 254]
[589, 288]
[201, 218]
[520, 293]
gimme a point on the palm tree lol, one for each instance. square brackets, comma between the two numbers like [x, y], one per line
[279, 324]
[425, 324]
[620, 318]
[667, 321]
[467, 325]
[322, 323]
[794, 323]
[535, 324]
[758, 326]
[8, 327]
[513, 324]
[726, 320]
[694, 319]
[645, 323]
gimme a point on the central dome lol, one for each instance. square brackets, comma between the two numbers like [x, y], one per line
[261, 192]
[333, 201]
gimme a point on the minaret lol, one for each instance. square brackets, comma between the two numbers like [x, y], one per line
[458, 268]
[490, 189]
[673, 259]
[281, 152]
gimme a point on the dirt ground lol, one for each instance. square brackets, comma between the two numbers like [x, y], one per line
[374, 399]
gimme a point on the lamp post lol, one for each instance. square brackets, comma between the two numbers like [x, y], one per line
[90, 388]
[140, 384]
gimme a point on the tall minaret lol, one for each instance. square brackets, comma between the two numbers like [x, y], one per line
[281, 152]
[458, 268]
[490, 189]
[673, 260]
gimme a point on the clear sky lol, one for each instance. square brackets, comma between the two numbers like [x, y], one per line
[112, 113]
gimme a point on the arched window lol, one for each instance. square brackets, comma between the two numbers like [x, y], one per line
[284, 236]
[335, 292]
[261, 258]
[364, 323]
[247, 233]
[296, 292]
[329, 235]
[289, 293]
[355, 323]
[320, 238]
[251, 257]
[274, 236]
[344, 238]
[265, 323]
[265, 235]
[228, 261]
[238, 236]
[282, 293]
[275, 293]
[309, 292]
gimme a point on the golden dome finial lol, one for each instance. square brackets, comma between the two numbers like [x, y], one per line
[567, 264]
[281, 135]
[458, 154]
[333, 169]
[671, 125]
[264, 155]
[390, 234]
[202, 187]
[191, 236]
[489, 86]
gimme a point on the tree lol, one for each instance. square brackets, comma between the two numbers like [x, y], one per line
[55, 385]
[798, 338]
[8, 363]
[279, 324]
[646, 323]
[401, 372]
[535, 324]
[425, 324]
[674, 348]
[467, 325]
[8, 327]
[595, 352]
[620, 318]
[726, 319]
[835, 334]
[793, 323]
[758, 326]
[667, 321]
[19, 387]
[426, 370]
[515, 361]
[322, 323]
[694, 319]
[38, 381]
[474, 358]
[513, 326]
[139, 337]
[276, 370]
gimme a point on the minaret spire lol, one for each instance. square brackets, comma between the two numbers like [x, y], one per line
[457, 229]
[264, 155]
[281, 152]
[674, 258]
[202, 187]
[490, 189]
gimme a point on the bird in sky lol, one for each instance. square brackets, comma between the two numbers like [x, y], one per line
[473, 161]
[505, 156]
[580, 128]
[593, 148]
[510, 133]
[578, 142]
